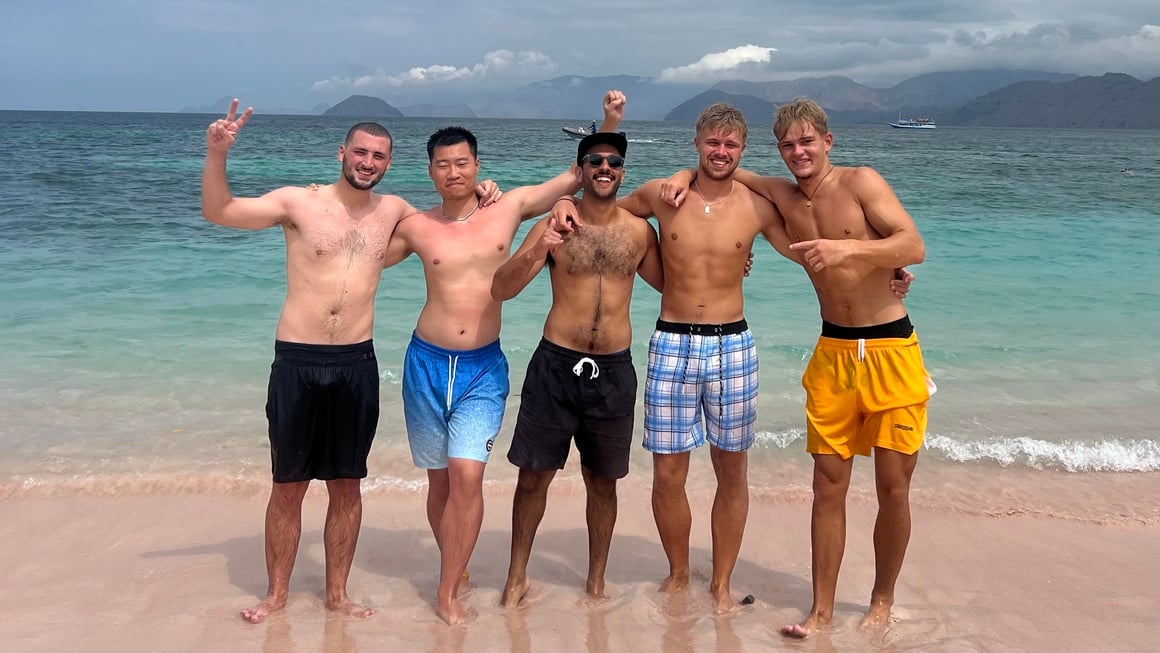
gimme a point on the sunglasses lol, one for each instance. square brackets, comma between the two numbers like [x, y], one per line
[596, 160]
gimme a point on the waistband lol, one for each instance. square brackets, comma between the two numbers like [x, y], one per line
[308, 354]
[862, 344]
[491, 349]
[571, 354]
[727, 329]
[900, 328]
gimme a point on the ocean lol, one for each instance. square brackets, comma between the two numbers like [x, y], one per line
[137, 336]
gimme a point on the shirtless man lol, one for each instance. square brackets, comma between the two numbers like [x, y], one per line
[455, 377]
[581, 382]
[702, 358]
[851, 233]
[323, 398]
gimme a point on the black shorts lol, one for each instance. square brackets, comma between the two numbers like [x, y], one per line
[323, 407]
[569, 393]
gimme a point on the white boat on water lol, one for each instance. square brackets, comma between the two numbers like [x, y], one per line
[580, 132]
[912, 123]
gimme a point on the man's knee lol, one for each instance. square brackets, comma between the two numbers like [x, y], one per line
[344, 490]
[670, 470]
[600, 487]
[892, 473]
[530, 482]
[288, 494]
[894, 490]
[831, 478]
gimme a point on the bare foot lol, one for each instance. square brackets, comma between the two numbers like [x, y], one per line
[595, 588]
[805, 628]
[514, 591]
[878, 616]
[351, 609]
[454, 614]
[258, 613]
[723, 602]
[674, 583]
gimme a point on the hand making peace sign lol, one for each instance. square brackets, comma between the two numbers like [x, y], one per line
[222, 132]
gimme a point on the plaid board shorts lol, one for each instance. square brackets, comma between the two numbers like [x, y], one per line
[695, 369]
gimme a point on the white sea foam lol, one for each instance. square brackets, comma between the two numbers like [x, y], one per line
[1107, 455]
[780, 439]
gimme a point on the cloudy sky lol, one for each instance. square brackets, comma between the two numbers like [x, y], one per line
[163, 55]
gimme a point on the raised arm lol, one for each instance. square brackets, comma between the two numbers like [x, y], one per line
[537, 200]
[526, 263]
[900, 244]
[534, 201]
[614, 102]
[218, 205]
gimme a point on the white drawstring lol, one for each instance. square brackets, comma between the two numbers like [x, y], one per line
[578, 368]
[861, 349]
[452, 366]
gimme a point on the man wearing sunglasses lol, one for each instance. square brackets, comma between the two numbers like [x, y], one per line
[702, 370]
[455, 376]
[580, 383]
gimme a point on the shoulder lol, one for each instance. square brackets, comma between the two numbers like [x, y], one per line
[649, 193]
[651, 185]
[760, 203]
[393, 207]
[294, 193]
[861, 177]
[773, 188]
[630, 220]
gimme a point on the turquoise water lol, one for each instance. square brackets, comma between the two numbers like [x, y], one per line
[137, 336]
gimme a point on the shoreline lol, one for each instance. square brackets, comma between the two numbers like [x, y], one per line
[175, 570]
[1124, 499]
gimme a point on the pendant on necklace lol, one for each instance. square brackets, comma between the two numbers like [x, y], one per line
[809, 203]
[706, 210]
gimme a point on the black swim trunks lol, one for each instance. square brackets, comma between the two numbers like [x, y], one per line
[569, 393]
[323, 407]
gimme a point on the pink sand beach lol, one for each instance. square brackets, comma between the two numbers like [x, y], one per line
[139, 566]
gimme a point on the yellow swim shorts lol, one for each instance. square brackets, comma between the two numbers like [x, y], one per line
[868, 393]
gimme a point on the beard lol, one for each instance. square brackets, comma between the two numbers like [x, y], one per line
[715, 174]
[590, 190]
[351, 178]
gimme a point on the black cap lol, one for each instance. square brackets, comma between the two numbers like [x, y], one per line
[615, 139]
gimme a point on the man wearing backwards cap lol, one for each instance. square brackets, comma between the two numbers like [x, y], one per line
[580, 383]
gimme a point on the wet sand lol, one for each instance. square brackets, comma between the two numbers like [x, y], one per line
[169, 571]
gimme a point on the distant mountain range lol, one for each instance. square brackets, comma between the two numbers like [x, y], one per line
[1112, 101]
[994, 98]
[363, 106]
